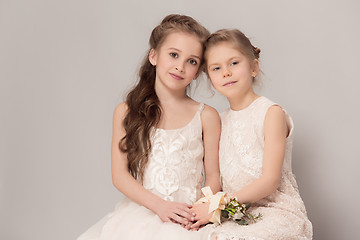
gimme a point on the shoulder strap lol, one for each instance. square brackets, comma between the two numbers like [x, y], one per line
[201, 107]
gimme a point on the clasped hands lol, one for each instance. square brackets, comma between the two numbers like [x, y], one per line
[208, 208]
[193, 217]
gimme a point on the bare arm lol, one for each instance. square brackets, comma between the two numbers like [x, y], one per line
[126, 183]
[211, 136]
[275, 133]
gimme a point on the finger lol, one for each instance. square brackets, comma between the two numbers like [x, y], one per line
[194, 229]
[183, 213]
[201, 226]
[186, 208]
[186, 205]
[196, 225]
[179, 219]
[195, 218]
[192, 212]
[187, 226]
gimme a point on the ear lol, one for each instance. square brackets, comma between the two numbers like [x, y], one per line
[255, 68]
[152, 57]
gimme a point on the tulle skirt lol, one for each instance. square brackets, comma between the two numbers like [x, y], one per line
[131, 221]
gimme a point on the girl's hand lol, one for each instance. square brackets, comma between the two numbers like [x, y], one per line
[174, 212]
[202, 215]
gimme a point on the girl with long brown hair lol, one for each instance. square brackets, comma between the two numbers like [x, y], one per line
[162, 141]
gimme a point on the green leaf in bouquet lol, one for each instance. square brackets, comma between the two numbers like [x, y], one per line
[242, 222]
[224, 214]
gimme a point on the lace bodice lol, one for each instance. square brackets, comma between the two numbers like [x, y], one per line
[242, 144]
[173, 172]
[174, 169]
[240, 158]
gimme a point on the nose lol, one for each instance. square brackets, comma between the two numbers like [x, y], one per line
[226, 73]
[180, 67]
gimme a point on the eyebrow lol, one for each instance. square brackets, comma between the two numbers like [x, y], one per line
[194, 56]
[212, 65]
[215, 63]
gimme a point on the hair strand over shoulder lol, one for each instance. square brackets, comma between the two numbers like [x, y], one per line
[144, 110]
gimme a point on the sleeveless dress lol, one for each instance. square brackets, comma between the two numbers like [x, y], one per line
[173, 172]
[241, 155]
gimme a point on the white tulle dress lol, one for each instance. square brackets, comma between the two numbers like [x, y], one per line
[241, 155]
[174, 172]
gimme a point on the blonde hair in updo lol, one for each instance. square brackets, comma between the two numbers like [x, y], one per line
[238, 39]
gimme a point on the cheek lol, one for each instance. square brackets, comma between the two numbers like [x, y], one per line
[245, 71]
[193, 70]
[216, 84]
[165, 62]
[214, 78]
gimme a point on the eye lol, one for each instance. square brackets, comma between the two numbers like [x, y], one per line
[216, 68]
[234, 63]
[174, 55]
[192, 61]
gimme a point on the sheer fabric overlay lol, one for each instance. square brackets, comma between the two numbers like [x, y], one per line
[241, 155]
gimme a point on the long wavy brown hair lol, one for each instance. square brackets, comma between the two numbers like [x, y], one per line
[144, 111]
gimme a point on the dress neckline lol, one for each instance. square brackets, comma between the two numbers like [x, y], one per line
[192, 119]
[248, 107]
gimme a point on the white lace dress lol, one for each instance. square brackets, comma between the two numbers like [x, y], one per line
[241, 153]
[174, 172]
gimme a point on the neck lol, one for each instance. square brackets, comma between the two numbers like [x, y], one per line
[167, 96]
[240, 102]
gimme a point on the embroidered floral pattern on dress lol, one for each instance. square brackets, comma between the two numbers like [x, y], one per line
[241, 154]
[176, 162]
[174, 173]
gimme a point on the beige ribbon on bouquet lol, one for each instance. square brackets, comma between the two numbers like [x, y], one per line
[216, 202]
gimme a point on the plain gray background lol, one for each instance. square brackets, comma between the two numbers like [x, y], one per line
[66, 64]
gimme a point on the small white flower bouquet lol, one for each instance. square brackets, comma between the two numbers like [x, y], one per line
[231, 210]
[237, 212]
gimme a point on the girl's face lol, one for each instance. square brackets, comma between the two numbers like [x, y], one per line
[177, 61]
[229, 70]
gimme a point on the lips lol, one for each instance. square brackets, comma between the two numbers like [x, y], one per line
[229, 83]
[176, 77]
